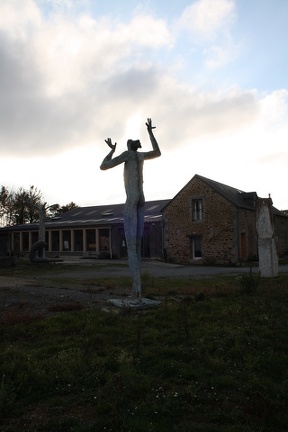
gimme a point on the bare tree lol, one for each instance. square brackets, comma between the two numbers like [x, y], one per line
[22, 206]
[25, 205]
[6, 207]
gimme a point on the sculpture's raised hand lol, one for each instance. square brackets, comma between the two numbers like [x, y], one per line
[109, 142]
[149, 125]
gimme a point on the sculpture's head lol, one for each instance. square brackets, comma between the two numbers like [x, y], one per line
[133, 144]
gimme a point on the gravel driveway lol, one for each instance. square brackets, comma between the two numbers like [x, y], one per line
[119, 268]
[44, 295]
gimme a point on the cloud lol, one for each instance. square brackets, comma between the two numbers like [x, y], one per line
[209, 23]
[207, 19]
[274, 107]
[217, 56]
[71, 80]
[18, 26]
[62, 76]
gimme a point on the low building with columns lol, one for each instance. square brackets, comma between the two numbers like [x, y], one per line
[95, 231]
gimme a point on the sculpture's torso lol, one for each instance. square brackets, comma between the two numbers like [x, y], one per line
[133, 177]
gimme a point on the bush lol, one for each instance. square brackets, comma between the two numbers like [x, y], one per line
[249, 282]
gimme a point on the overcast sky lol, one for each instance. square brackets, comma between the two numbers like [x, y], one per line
[212, 75]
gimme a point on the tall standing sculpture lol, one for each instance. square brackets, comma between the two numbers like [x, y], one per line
[134, 206]
[267, 251]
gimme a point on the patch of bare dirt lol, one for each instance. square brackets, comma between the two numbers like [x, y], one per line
[22, 298]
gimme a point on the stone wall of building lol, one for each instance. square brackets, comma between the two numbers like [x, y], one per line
[281, 234]
[220, 229]
[247, 233]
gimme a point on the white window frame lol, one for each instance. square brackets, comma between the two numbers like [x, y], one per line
[197, 209]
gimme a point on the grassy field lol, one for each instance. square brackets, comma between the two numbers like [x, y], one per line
[212, 358]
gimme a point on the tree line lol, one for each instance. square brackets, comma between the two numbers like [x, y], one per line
[22, 206]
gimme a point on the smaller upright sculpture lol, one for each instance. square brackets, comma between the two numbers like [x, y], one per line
[42, 216]
[134, 206]
[36, 252]
[268, 259]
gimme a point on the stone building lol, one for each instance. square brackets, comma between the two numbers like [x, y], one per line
[214, 223]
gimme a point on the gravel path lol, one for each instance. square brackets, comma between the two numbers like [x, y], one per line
[45, 295]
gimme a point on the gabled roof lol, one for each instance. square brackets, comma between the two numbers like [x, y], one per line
[236, 196]
[239, 198]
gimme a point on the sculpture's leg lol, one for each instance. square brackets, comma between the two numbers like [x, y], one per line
[130, 227]
[135, 272]
[140, 229]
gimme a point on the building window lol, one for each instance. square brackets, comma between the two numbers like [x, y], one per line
[25, 241]
[197, 210]
[196, 247]
[91, 240]
[78, 240]
[34, 236]
[16, 243]
[104, 240]
[55, 240]
[66, 240]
